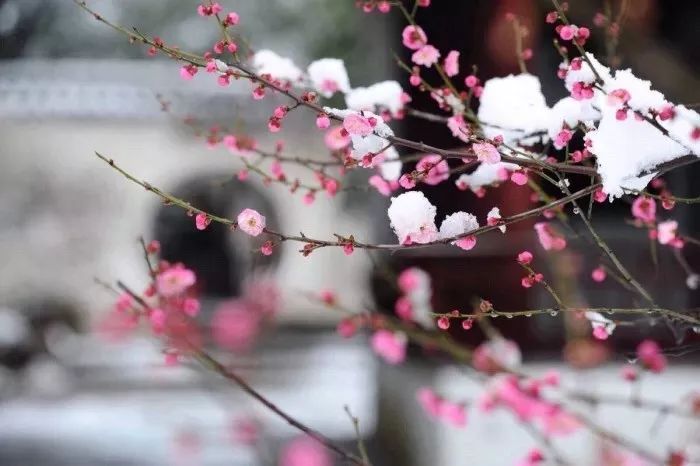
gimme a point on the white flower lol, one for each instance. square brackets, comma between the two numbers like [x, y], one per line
[412, 218]
[328, 76]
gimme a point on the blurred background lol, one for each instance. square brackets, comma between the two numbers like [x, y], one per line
[71, 395]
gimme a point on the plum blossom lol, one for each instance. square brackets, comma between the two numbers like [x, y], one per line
[415, 304]
[525, 258]
[390, 346]
[426, 56]
[357, 125]
[414, 37]
[202, 221]
[457, 224]
[429, 401]
[644, 209]
[493, 217]
[667, 232]
[549, 238]
[439, 408]
[328, 76]
[336, 139]
[602, 326]
[364, 142]
[174, 280]
[235, 325]
[412, 218]
[305, 451]
[459, 127]
[650, 355]
[436, 167]
[251, 222]
[599, 274]
[452, 63]
[486, 152]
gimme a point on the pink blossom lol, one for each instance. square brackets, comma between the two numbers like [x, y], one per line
[452, 63]
[549, 238]
[453, 413]
[404, 308]
[336, 138]
[667, 231]
[187, 72]
[235, 325]
[629, 373]
[305, 451]
[467, 242]
[493, 218]
[411, 279]
[157, 319]
[644, 209]
[346, 328]
[562, 139]
[519, 177]
[618, 97]
[191, 306]
[407, 181]
[390, 346]
[486, 152]
[567, 32]
[430, 401]
[414, 37]
[667, 113]
[124, 302]
[174, 280]
[251, 222]
[437, 169]
[117, 326]
[650, 355]
[533, 458]
[231, 19]
[459, 127]
[471, 81]
[525, 257]
[202, 221]
[443, 323]
[380, 184]
[426, 56]
[598, 274]
[322, 121]
[357, 125]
